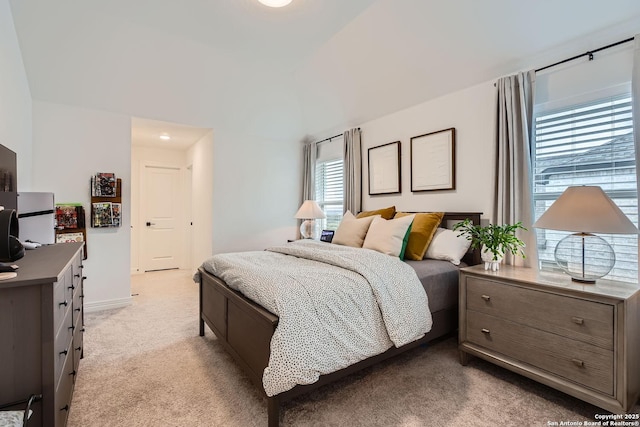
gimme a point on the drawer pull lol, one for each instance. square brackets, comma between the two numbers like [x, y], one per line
[79, 348]
[84, 277]
[486, 331]
[65, 303]
[578, 320]
[486, 297]
[76, 275]
[73, 373]
[78, 309]
[71, 287]
[72, 327]
[65, 408]
[579, 363]
[64, 352]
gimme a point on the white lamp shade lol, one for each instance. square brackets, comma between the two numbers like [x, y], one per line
[310, 210]
[586, 209]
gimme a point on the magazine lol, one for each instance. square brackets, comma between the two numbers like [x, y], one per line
[116, 207]
[102, 214]
[104, 185]
[66, 216]
[69, 237]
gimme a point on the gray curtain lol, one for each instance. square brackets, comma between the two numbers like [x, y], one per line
[635, 96]
[513, 198]
[352, 171]
[309, 154]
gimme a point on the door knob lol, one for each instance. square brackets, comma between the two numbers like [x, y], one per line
[149, 224]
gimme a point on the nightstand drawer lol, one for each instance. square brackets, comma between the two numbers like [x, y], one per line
[587, 321]
[575, 361]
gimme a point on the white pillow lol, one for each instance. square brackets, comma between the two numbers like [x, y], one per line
[387, 236]
[446, 245]
[352, 230]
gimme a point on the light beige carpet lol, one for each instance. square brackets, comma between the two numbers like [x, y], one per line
[145, 365]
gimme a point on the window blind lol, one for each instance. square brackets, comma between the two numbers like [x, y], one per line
[329, 191]
[587, 144]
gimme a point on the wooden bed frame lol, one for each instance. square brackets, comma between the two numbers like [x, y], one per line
[245, 329]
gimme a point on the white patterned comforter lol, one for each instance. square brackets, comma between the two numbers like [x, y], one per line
[336, 305]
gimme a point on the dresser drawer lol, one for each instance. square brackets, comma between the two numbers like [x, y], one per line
[76, 267]
[62, 347]
[575, 361]
[587, 321]
[63, 392]
[61, 304]
[78, 297]
[77, 346]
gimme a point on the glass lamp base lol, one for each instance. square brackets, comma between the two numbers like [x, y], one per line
[307, 228]
[585, 257]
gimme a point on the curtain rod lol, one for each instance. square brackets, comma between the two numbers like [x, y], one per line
[588, 53]
[331, 137]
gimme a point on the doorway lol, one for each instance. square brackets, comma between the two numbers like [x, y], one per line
[168, 177]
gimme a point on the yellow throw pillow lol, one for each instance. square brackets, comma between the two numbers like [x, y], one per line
[386, 213]
[422, 230]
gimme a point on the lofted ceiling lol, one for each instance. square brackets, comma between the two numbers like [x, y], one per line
[313, 67]
[147, 133]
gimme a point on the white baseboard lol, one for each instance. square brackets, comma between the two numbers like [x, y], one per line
[107, 305]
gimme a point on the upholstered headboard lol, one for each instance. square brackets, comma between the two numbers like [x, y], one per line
[451, 218]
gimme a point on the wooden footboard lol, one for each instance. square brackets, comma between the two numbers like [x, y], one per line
[243, 327]
[245, 330]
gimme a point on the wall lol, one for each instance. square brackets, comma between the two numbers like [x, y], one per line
[15, 99]
[472, 113]
[156, 156]
[69, 145]
[256, 191]
[200, 159]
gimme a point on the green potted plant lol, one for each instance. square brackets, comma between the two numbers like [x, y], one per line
[494, 241]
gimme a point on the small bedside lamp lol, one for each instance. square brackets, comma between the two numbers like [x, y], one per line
[585, 210]
[309, 211]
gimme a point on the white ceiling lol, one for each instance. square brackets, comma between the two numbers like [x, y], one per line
[314, 67]
[146, 133]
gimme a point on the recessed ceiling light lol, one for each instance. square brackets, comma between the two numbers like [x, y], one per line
[165, 137]
[275, 3]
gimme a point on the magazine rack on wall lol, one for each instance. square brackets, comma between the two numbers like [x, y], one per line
[105, 210]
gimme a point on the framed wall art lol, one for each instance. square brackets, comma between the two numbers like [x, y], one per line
[384, 169]
[433, 161]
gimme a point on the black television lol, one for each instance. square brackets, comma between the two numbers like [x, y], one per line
[8, 178]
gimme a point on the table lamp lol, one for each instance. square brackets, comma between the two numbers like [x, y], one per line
[585, 210]
[309, 211]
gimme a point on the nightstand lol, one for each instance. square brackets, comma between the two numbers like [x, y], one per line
[581, 339]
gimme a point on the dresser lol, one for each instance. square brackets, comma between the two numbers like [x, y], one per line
[41, 329]
[582, 339]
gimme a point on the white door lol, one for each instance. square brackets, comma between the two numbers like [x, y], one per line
[161, 207]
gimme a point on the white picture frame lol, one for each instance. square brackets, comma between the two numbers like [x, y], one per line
[433, 161]
[384, 169]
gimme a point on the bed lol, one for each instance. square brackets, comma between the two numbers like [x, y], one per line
[246, 328]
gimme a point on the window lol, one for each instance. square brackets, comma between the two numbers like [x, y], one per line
[329, 191]
[587, 144]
